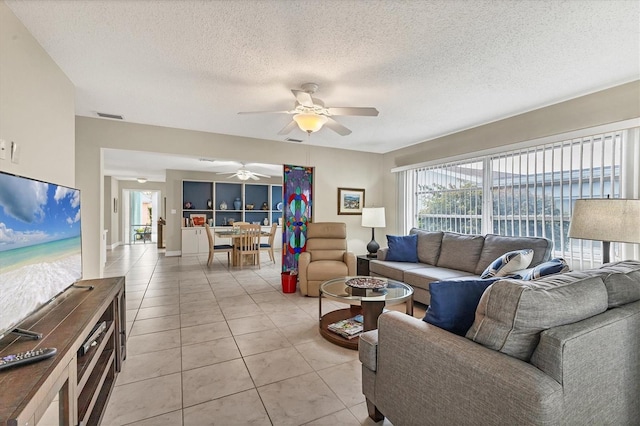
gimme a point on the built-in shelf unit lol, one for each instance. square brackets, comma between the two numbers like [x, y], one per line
[223, 203]
[207, 198]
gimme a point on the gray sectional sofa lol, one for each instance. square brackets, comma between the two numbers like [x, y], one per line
[448, 255]
[560, 350]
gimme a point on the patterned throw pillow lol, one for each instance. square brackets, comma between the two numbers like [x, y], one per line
[508, 263]
[554, 266]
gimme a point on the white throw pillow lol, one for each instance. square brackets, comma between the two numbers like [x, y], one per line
[509, 263]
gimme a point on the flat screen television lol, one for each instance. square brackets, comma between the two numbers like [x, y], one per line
[40, 245]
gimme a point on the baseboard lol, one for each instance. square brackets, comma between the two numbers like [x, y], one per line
[173, 253]
[114, 245]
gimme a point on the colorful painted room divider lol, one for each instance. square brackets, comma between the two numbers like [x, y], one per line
[298, 199]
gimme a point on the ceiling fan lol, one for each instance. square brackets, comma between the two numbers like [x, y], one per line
[244, 174]
[310, 114]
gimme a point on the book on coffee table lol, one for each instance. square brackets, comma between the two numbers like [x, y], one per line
[348, 328]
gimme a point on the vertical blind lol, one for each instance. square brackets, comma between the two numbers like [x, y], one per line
[525, 192]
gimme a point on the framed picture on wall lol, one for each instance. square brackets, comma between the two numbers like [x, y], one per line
[350, 200]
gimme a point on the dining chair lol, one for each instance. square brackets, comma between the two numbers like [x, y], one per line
[239, 224]
[269, 246]
[213, 248]
[248, 244]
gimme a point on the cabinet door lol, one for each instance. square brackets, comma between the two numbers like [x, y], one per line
[190, 241]
[195, 241]
[203, 241]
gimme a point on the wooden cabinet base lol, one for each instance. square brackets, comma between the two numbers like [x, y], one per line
[84, 382]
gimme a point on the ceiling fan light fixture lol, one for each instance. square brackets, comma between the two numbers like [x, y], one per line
[310, 123]
[243, 174]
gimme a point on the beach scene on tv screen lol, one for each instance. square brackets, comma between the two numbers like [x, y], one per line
[40, 249]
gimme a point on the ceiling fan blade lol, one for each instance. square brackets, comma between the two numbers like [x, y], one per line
[303, 98]
[265, 112]
[364, 111]
[233, 175]
[254, 177]
[260, 174]
[288, 128]
[337, 127]
[226, 173]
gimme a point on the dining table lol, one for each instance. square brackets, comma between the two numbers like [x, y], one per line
[234, 234]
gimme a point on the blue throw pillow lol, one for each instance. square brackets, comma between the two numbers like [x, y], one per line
[453, 303]
[508, 263]
[402, 249]
[554, 266]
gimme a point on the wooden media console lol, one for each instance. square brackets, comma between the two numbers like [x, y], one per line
[82, 384]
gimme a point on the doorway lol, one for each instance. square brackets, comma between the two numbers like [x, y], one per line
[141, 211]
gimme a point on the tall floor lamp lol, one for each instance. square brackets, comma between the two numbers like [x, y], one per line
[606, 220]
[373, 217]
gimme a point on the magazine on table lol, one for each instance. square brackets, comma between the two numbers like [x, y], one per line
[348, 328]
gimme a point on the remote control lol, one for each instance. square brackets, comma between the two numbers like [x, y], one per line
[9, 361]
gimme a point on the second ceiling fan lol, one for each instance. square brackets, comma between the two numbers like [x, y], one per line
[244, 174]
[310, 114]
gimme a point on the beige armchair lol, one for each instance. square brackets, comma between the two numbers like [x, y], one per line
[326, 256]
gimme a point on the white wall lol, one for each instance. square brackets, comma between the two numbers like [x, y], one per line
[37, 106]
[334, 168]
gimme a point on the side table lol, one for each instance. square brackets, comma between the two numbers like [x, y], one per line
[363, 264]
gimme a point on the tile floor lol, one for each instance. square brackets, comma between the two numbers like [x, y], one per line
[224, 346]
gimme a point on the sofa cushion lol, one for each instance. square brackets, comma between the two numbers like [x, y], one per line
[422, 276]
[512, 313]
[428, 245]
[393, 270]
[461, 252]
[402, 248]
[553, 266]
[508, 263]
[622, 280]
[453, 303]
[496, 245]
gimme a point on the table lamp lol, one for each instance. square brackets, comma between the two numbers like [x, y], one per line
[373, 217]
[606, 220]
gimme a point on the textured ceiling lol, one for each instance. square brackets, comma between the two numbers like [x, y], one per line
[430, 67]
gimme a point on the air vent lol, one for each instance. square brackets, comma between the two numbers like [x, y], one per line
[105, 115]
[293, 140]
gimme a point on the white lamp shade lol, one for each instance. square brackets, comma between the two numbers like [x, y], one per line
[310, 122]
[606, 219]
[373, 217]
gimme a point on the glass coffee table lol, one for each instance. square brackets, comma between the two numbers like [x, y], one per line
[368, 302]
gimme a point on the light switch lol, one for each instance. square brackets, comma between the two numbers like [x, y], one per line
[173, 211]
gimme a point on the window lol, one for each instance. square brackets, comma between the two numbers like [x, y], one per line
[526, 192]
[449, 197]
